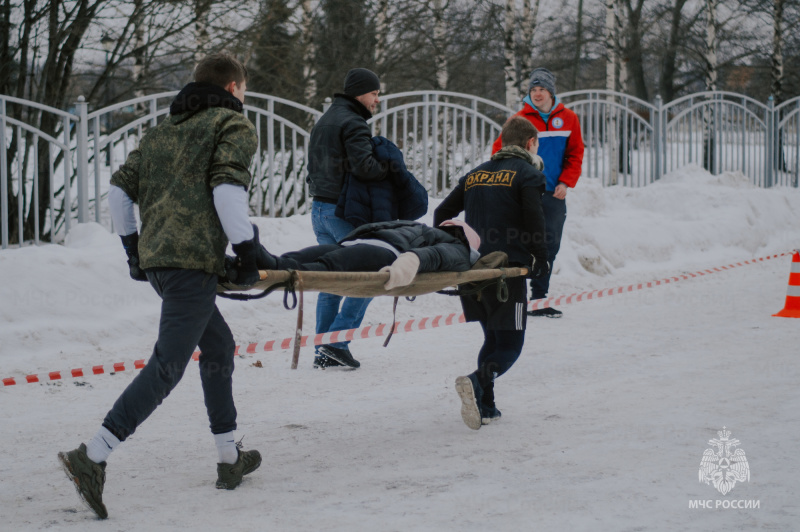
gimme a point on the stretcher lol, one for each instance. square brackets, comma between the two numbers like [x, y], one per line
[490, 270]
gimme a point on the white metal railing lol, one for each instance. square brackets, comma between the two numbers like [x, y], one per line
[56, 165]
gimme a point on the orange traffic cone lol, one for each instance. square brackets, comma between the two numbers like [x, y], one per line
[792, 308]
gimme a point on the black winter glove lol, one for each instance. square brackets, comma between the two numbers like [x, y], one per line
[264, 259]
[539, 268]
[131, 244]
[246, 266]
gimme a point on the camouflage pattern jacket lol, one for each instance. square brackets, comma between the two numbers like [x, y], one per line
[206, 141]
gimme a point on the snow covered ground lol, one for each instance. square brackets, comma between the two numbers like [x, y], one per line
[605, 417]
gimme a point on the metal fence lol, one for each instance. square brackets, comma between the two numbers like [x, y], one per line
[56, 165]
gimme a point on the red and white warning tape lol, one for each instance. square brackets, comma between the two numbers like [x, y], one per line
[370, 331]
[594, 294]
[382, 329]
[74, 373]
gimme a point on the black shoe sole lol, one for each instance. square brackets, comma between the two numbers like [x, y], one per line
[325, 362]
[532, 314]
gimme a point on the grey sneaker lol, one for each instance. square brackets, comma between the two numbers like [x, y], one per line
[88, 477]
[470, 392]
[230, 475]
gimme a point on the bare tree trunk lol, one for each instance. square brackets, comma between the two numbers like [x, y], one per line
[309, 54]
[139, 52]
[612, 62]
[777, 51]
[530, 16]
[578, 46]
[381, 34]
[623, 57]
[709, 151]
[669, 67]
[634, 62]
[439, 35]
[510, 56]
[777, 71]
[139, 46]
[710, 55]
[202, 11]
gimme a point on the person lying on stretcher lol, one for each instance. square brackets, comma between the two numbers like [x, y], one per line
[403, 248]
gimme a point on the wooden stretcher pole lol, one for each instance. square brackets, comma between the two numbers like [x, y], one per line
[298, 334]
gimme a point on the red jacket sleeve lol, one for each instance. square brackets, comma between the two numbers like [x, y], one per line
[573, 154]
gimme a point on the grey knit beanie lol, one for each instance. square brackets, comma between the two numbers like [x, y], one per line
[541, 77]
[361, 81]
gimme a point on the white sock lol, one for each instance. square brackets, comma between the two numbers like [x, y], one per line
[226, 447]
[99, 448]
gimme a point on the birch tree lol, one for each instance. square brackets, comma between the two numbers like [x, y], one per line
[710, 56]
[381, 36]
[530, 18]
[440, 45]
[777, 70]
[578, 45]
[308, 53]
[777, 51]
[202, 12]
[612, 66]
[510, 66]
[710, 59]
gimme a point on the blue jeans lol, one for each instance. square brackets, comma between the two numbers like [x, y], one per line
[329, 229]
[555, 214]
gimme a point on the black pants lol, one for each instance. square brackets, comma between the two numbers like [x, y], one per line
[555, 214]
[498, 353]
[503, 324]
[189, 318]
[336, 258]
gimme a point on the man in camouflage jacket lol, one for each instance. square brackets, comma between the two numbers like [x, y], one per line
[189, 177]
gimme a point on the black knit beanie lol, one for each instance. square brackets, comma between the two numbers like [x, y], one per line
[361, 81]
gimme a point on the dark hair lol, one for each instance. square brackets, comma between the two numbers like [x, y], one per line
[517, 131]
[220, 69]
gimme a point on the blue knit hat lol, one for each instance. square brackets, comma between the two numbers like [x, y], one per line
[541, 77]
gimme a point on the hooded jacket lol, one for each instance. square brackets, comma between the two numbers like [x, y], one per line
[340, 143]
[204, 142]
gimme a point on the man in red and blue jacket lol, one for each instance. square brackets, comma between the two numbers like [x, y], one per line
[561, 149]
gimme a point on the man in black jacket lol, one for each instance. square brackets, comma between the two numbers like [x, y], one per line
[502, 201]
[340, 144]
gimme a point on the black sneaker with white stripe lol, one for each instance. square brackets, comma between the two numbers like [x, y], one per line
[547, 312]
